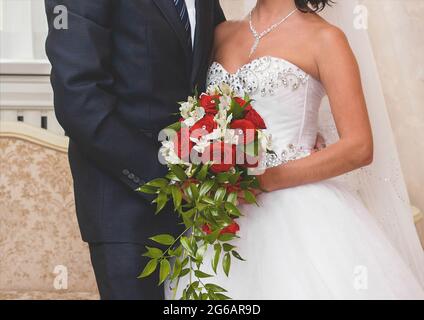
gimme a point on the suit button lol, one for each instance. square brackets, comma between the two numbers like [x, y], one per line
[136, 179]
[125, 172]
[131, 176]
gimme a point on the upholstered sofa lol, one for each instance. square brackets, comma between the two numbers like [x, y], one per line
[41, 252]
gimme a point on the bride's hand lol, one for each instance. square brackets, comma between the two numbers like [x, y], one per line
[268, 180]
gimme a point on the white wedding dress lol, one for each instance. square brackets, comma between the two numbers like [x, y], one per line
[316, 241]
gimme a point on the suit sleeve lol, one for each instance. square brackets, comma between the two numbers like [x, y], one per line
[84, 104]
[219, 13]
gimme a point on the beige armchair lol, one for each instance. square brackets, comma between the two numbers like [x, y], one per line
[42, 255]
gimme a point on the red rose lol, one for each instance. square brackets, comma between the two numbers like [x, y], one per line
[223, 155]
[209, 103]
[206, 229]
[255, 118]
[231, 229]
[245, 129]
[183, 144]
[204, 126]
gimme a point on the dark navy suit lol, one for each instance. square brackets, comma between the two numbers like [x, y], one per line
[117, 73]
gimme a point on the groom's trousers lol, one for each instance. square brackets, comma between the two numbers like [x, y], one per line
[117, 266]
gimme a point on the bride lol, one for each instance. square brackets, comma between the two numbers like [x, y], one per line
[311, 237]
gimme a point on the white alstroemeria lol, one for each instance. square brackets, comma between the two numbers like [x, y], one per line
[225, 103]
[225, 89]
[212, 90]
[265, 140]
[168, 153]
[201, 144]
[189, 170]
[216, 134]
[231, 137]
[187, 107]
[194, 116]
[189, 122]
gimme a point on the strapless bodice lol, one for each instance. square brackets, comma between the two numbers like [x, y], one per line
[285, 96]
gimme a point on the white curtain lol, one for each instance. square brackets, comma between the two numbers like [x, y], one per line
[23, 28]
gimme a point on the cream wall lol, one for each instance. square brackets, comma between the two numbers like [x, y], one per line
[396, 28]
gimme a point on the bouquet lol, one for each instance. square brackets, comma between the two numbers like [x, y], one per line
[210, 153]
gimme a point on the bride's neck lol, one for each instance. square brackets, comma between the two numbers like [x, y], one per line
[267, 10]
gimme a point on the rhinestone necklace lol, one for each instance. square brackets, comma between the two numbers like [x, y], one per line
[258, 36]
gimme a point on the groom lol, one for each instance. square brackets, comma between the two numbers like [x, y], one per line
[119, 67]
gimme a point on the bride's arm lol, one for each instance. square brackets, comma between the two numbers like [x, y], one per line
[340, 76]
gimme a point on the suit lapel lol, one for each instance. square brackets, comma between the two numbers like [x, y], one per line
[168, 9]
[202, 36]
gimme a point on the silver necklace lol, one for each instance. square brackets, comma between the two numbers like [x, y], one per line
[258, 36]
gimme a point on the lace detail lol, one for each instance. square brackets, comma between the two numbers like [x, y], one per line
[261, 76]
[290, 153]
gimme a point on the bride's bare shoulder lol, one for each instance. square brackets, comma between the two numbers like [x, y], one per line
[225, 29]
[324, 34]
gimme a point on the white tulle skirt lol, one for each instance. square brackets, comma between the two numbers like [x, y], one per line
[316, 241]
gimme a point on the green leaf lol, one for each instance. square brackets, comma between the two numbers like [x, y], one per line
[161, 201]
[222, 177]
[175, 126]
[215, 261]
[184, 272]
[208, 200]
[149, 269]
[201, 252]
[233, 179]
[228, 247]
[176, 252]
[237, 255]
[206, 187]
[154, 253]
[214, 288]
[194, 191]
[158, 183]
[177, 196]
[232, 198]
[249, 197]
[147, 189]
[220, 194]
[232, 209]
[165, 270]
[226, 264]
[203, 173]
[211, 238]
[185, 242]
[179, 172]
[227, 237]
[201, 274]
[177, 269]
[220, 296]
[164, 239]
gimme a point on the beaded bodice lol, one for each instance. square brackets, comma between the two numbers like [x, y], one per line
[287, 98]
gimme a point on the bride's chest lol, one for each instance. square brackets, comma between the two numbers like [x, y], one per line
[266, 76]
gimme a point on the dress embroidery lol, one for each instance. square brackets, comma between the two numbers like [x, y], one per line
[261, 76]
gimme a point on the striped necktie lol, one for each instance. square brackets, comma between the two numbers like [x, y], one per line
[183, 13]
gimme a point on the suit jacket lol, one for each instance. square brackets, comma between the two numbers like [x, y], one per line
[118, 71]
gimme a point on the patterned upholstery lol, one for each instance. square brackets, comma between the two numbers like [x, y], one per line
[38, 227]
